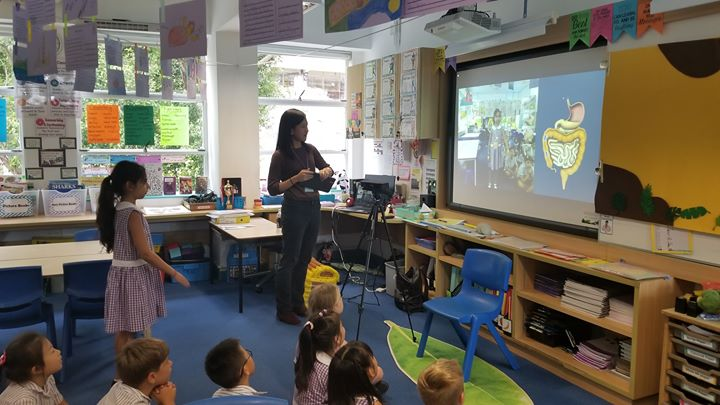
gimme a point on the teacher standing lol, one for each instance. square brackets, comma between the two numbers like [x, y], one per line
[293, 163]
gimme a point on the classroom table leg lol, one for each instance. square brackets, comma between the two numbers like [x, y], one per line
[240, 277]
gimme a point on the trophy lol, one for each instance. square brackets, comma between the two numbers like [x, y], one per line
[228, 190]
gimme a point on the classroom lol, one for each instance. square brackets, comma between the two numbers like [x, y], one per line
[182, 180]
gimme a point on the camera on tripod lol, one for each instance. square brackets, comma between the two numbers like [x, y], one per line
[380, 190]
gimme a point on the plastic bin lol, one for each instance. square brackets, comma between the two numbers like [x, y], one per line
[94, 193]
[710, 376]
[249, 260]
[58, 204]
[18, 205]
[427, 242]
[709, 342]
[709, 394]
[195, 271]
[693, 352]
[390, 281]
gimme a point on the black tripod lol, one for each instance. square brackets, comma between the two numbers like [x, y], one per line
[378, 208]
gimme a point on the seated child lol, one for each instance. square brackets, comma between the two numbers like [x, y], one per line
[319, 339]
[144, 370]
[29, 362]
[352, 373]
[230, 366]
[442, 383]
[325, 296]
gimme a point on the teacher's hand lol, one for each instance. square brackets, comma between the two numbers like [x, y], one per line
[303, 175]
[325, 173]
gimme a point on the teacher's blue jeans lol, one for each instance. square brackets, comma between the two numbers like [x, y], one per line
[300, 225]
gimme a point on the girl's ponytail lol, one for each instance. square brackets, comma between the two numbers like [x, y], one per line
[105, 218]
[318, 334]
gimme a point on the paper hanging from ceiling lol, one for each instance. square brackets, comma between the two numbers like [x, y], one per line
[267, 21]
[183, 33]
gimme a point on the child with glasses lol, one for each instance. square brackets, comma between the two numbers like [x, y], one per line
[230, 366]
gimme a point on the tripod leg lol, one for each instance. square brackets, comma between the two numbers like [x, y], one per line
[397, 268]
[361, 307]
[363, 235]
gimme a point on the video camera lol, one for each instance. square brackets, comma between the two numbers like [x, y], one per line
[381, 187]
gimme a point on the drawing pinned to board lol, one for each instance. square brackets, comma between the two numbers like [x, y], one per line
[670, 241]
[183, 34]
[388, 66]
[397, 152]
[409, 61]
[347, 15]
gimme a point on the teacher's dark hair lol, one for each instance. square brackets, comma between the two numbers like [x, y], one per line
[112, 188]
[289, 120]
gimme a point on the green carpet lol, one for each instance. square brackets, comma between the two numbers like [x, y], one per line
[487, 384]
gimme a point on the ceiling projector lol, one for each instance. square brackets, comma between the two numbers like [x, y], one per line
[464, 26]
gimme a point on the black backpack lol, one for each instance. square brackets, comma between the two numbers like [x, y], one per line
[412, 290]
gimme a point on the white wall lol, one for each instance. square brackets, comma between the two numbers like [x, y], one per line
[237, 113]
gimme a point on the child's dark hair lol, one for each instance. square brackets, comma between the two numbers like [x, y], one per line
[112, 187]
[139, 358]
[224, 362]
[318, 334]
[348, 378]
[23, 353]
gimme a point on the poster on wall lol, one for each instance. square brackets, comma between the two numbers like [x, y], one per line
[50, 126]
[63, 103]
[31, 99]
[103, 123]
[183, 33]
[346, 15]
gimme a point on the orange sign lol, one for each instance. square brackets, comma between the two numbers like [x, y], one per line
[103, 122]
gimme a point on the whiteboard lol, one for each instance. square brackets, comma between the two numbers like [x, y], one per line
[636, 234]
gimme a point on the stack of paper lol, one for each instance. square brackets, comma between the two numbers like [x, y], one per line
[560, 254]
[551, 285]
[585, 298]
[622, 366]
[598, 353]
[230, 216]
[621, 309]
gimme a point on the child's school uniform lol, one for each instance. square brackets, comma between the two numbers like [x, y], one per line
[134, 296]
[123, 394]
[316, 393]
[240, 390]
[30, 393]
[364, 401]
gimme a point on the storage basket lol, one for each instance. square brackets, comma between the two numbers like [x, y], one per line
[319, 275]
[196, 271]
[18, 205]
[58, 204]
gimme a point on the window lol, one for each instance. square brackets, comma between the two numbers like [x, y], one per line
[10, 153]
[315, 85]
[186, 160]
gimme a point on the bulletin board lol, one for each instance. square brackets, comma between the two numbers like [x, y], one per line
[659, 147]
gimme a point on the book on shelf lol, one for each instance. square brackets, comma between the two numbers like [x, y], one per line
[186, 185]
[201, 185]
[169, 185]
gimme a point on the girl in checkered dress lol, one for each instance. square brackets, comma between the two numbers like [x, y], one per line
[352, 375]
[319, 339]
[134, 296]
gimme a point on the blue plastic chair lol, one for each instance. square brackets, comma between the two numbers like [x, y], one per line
[473, 306]
[87, 234]
[240, 400]
[85, 288]
[21, 300]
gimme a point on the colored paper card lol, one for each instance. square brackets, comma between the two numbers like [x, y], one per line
[346, 15]
[116, 82]
[601, 23]
[266, 21]
[81, 47]
[147, 159]
[73, 9]
[645, 19]
[451, 63]
[96, 159]
[167, 89]
[174, 126]
[139, 125]
[40, 12]
[113, 52]
[183, 33]
[42, 53]
[141, 59]
[173, 158]
[103, 123]
[412, 8]
[580, 28]
[440, 58]
[115, 159]
[3, 120]
[142, 85]
[624, 18]
[20, 19]
[166, 67]
[85, 80]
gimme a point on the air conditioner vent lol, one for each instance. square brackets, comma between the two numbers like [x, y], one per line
[126, 25]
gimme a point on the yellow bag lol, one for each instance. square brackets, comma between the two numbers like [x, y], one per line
[319, 274]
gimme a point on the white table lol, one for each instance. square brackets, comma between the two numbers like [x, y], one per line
[257, 230]
[51, 256]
